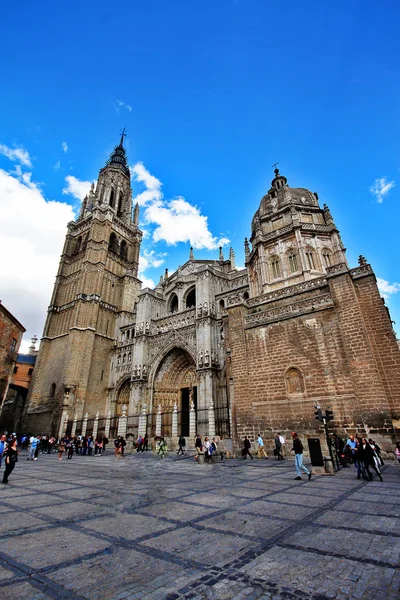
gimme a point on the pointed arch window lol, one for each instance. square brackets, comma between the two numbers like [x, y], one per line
[276, 267]
[113, 242]
[52, 391]
[124, 249]
[191, 298]
[293, 262]
[310, 259]
[173, 304]
[119, 205]
[326, 257]
[78, 244]
[112, 198]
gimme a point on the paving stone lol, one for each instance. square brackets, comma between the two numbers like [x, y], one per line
[151, 530]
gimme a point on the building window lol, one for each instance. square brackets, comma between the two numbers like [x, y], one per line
[124, 249]
[173, 304]
[119, 206]
[221, 305]
[15, 370]
[246, 296]
[52, 390]
[124, 358]
[191, 298]
[129, 356]
[327, 259]
[30, 371]
[119, 359]
[293, 262]
[113, 243]
[276, 267]
[310, 260]
[13, 345]
[112, 199]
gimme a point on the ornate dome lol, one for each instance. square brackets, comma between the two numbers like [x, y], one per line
[280, 196]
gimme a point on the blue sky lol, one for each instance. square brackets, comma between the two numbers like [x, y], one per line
[212, 94]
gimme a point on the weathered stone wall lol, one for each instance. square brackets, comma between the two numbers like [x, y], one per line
[333, 355]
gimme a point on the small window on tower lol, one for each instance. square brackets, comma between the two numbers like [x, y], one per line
[124, 249]
[119, 205]
[112, 199]
[327, 259]
[293, 262]
[310, 260]
[113, 243]
[30, 371]
[276, 267]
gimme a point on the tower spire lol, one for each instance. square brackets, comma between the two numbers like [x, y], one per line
[123, 134]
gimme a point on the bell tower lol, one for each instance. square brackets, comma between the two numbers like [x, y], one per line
[96, 287]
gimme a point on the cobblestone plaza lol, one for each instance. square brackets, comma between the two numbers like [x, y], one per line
[145, 528]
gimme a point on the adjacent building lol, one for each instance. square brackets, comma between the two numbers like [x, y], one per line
[11, 332]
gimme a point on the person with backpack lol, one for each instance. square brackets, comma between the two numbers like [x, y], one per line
[298, 455]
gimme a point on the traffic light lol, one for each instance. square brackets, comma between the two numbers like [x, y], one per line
[329, 415]
[318, 415]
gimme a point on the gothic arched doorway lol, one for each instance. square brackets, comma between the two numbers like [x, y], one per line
[122, 398]
[175, 383]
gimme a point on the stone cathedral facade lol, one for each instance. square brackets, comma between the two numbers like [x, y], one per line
[239, 351]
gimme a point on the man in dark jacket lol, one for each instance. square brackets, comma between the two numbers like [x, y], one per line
[298, 455]
[246, 448]
[366, 455]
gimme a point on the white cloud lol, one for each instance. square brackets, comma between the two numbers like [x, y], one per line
[176, 220]
[147, 283]
[118, 104]
[32, 232]
[16, 154]
[57, 165]
[380, 188]
[64, 146]
[153, 185]
[77, 188]
[387, 289]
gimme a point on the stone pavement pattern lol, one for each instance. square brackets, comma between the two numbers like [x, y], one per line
[145, 528]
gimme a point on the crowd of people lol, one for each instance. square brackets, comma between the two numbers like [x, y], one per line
[362, 452]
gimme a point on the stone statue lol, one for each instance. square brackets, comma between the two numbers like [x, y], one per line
[199, 310]
[201, 358]
[212, 309]
[205, 309]
[135, 371]
[144, 372]
[206, 358]
[213, 358]
[138, 371]
[141, 327]
[147, 328]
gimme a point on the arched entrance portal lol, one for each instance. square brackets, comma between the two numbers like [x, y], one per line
[175, 382]
[122, 398]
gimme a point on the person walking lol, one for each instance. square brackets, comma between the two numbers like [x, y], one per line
[181, 445]
[3, 446]
[146, 442]
[246, 448]
[298, 455]
[367, 455]
[278, 447]
[11, 458]
[283, 445]
[261, 447]
[33, 441]
[198, 445]
[61, 448]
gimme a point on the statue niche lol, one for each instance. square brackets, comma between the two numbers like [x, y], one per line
[294, 382]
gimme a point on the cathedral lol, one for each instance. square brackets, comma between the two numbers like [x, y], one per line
[213, 349]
